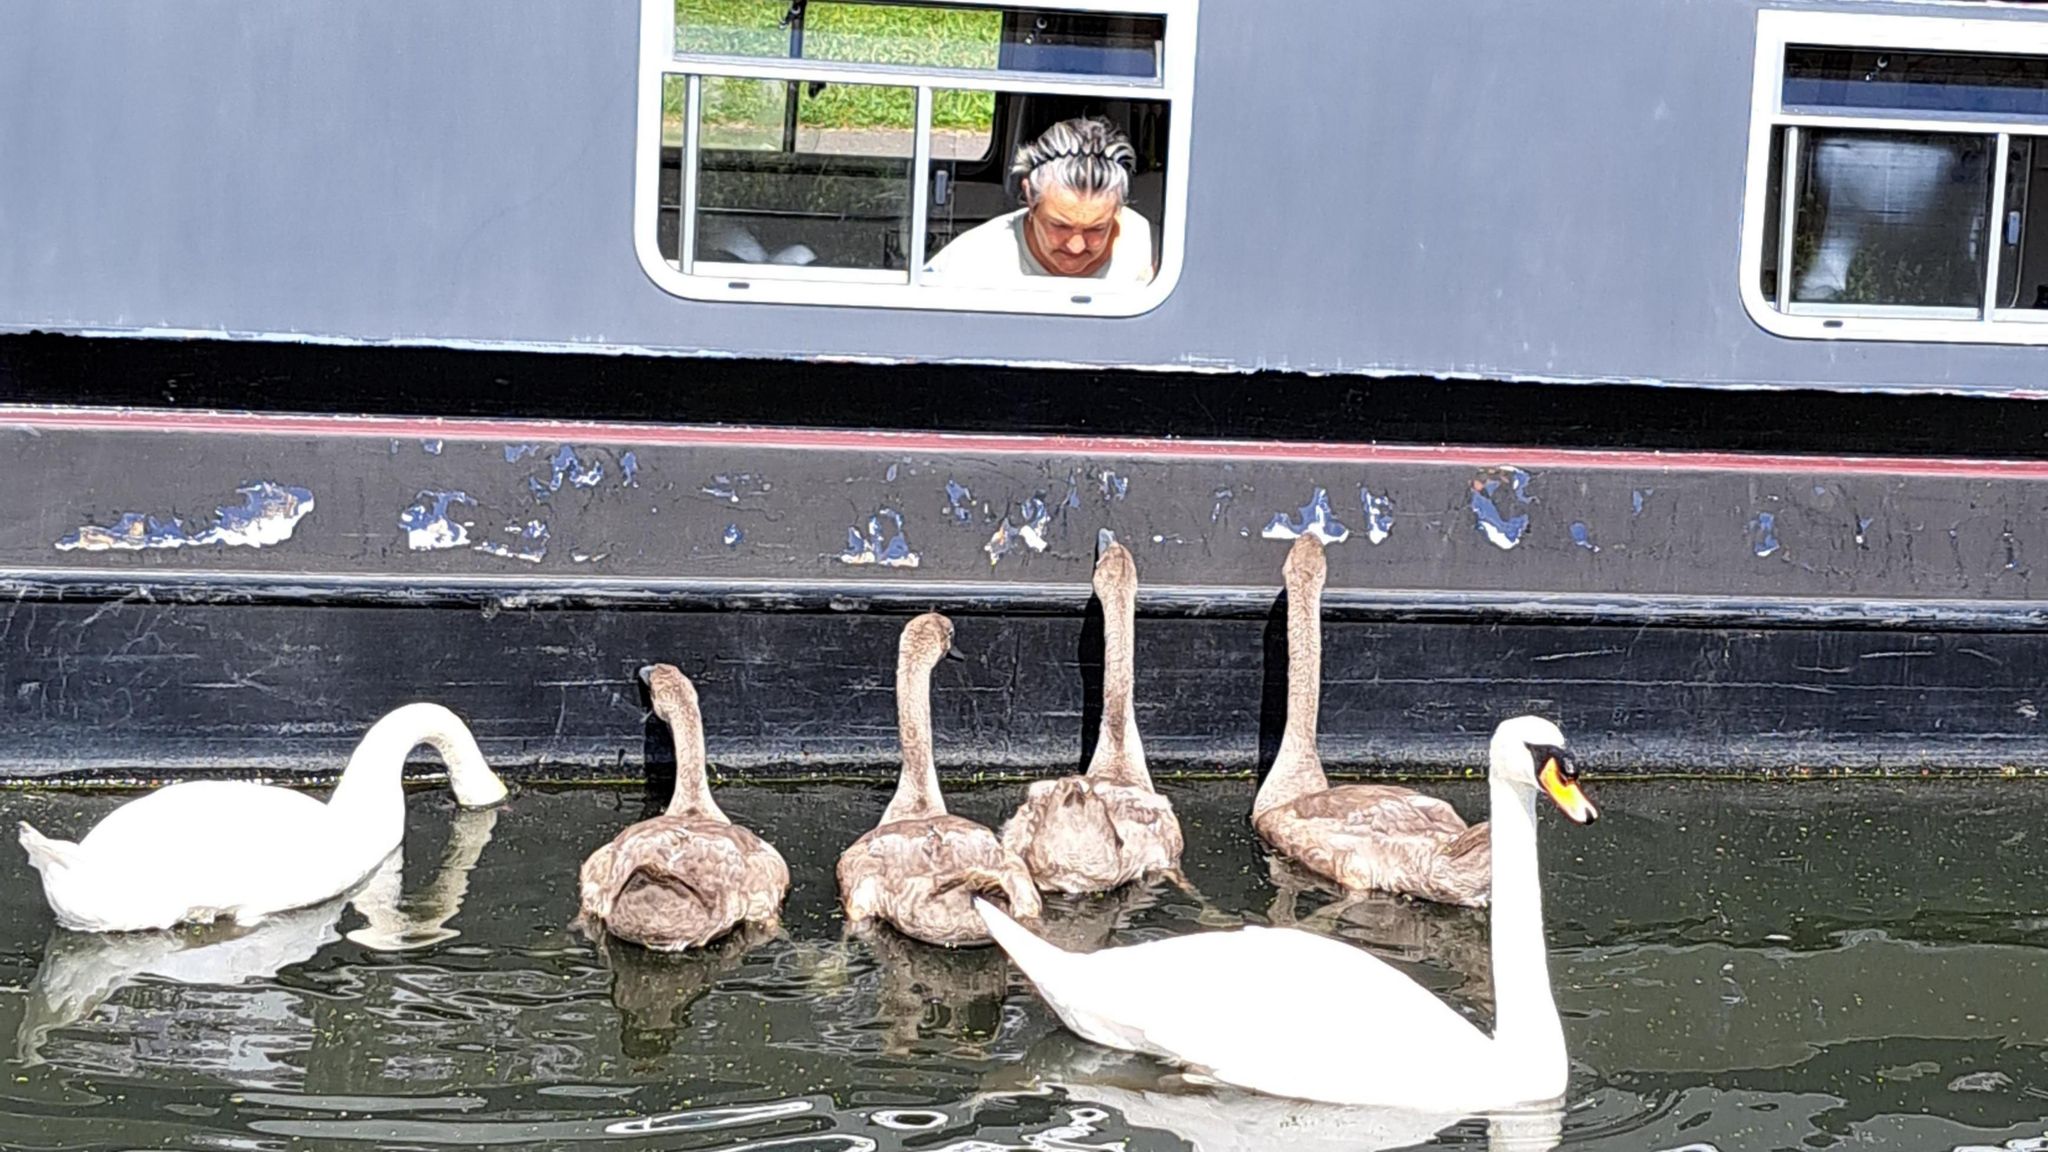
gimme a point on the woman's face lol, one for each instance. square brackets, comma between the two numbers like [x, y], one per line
[1072, 233]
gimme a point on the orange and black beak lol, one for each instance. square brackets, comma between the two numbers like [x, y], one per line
[1560, 780]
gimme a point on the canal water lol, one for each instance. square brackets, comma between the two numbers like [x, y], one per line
[1739, 965]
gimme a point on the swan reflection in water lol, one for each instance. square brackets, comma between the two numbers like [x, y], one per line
[1215, 1118]
[1457, 942]
[653, 991]
[81, 970]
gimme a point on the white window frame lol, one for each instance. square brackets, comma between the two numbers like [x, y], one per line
[1777, 29]
[770, 284]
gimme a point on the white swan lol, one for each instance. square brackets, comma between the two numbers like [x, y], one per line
[211, 849]
[80, 972]
[1290, 1013]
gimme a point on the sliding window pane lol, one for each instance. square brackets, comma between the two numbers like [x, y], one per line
[1892, 218]
[2023, 259]
[1889, 80]
[1071, 43]
[798, 173]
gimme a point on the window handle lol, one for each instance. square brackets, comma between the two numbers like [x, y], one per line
[939, 184]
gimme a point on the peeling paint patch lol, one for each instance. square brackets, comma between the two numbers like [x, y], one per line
[267, 515]
[1035, 517]
[430, 524]
[733, 535]
[1489, 491]
[629, 469]
[1379, 516]
[2012, 550]
[1314, 517]
[889, 477]
[566, 464]
[1763, 534]
[1163, 538]
[731, 486]
[1582, 537]
[959, 502]
[1034, 521]
[888, 548]
[1115, 487]
[1637, 497]
[431, 447]
[514, 453]
[529, 542]
[1223, 497]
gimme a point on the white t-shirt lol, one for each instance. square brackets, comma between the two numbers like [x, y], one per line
[995, 253]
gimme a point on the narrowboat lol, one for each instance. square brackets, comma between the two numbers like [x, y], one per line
[1673, 369]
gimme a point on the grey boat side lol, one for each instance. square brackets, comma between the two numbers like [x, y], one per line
[1447, 188]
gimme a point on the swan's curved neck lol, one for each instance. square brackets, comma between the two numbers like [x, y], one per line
[692, 797]
[1297, 768]
[1527, 1032]
[371, 793]
[1119, 754]
[917, 788]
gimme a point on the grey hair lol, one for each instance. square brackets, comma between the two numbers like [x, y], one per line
[1087, 154]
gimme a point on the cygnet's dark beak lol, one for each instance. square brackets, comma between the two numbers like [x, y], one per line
[953, 653]
[1103, 539]
[647, 675]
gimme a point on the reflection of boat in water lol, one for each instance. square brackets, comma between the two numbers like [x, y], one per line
[80, 971]
[1217, 1119]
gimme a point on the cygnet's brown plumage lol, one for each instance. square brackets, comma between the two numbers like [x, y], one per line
[920, 869]
[1108, 827]
[689, 875]
[1361, 837]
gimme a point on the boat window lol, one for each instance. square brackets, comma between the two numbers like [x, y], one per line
[1892, 166]
[829, 151]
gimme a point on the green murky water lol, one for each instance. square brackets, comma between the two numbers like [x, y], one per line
[1756, 966]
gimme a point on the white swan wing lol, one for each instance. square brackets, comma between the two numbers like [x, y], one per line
[213, 847]
[1337, 1024]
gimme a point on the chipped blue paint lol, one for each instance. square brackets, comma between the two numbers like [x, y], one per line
[1636, 498]
[1582, 537]
[733, 535]
[267, 515]
[514, 453]
[529, 542]
[394, 447]
[629, 469]
[726, 486]
[1763, 534]
[431, 447]
[430, 524]
[1114, 487]
[2012, 551]
[1222, 496]
[1034, 521]
[1862, 531]
[1488, 491]
[873, 548]
[1379, 515]
[890, 476]
[959, 502]
[579, 472]
[1314, 517]
[1165, 538]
